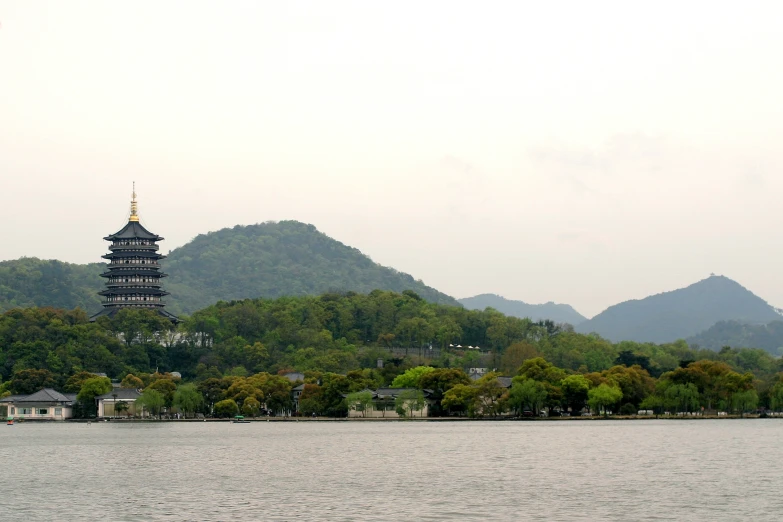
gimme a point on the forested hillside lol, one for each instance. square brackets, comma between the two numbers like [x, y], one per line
[559, 313]
[35, 282]
[265, 260]
[231, 354]
[735, 333]
[274, 260]
[681, 313]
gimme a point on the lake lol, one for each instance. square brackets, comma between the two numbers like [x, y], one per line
[703, 470]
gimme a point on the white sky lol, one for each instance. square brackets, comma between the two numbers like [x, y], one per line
[578, 152]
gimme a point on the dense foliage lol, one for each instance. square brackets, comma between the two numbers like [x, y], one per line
[734, 333]
[264, 260]
[230, 353]
[559, 313]
[682, 313]
[35, 282]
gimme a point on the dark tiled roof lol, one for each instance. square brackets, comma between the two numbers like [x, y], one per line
[298, 388]
[133, 230]
[122, 394]
[44, 395]
[505, 382]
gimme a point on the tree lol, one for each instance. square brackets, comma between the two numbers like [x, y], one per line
[410, 379]
[92, 388]
[575, 389]
[682, 397]
[166, 387]
[75, 381]
[226, 408]
[743, 401]
[527, 394]
[132, 382]
[603, 396]
[776, 397]
[152, 400]
[188, 399]
[26, 382]
[408, 402]
[459, 399]
[439, 381]
[361, 401]
[515, 355]
[251, 407]
[120, 407]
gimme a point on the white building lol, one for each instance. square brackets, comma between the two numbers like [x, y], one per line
[46, 404]
[107, 403]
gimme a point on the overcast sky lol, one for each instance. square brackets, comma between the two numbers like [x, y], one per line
[577, 152]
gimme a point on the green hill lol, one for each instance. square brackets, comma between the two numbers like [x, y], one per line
[35, 282]
[737, 334]
[559, 313]
[681, 313]
[264, 260]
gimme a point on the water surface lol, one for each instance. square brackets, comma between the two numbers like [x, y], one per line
[569, 470]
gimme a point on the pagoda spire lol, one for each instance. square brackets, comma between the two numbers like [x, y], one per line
[134, 215]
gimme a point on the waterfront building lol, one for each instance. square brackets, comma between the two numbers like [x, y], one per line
[45, 404]
[133, 273]
[107, 403]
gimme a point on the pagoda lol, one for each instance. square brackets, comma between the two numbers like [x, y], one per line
[133, 276]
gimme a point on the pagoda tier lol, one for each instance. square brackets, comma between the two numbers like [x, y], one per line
[133, 276]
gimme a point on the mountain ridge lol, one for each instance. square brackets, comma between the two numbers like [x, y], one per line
[559, 313]
[680, 313]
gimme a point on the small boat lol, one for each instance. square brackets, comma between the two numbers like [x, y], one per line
[240, 419]
[10, 421]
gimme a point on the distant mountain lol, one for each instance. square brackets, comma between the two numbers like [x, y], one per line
[736, 334]
[264, 260]
[559, 313]
[681, 313]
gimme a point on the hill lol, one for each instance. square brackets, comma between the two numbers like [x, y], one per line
[736, 334]
[680, 314]
[264, 260]
[30, 281]
[559, 313]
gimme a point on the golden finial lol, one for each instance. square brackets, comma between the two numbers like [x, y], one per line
[134, 216]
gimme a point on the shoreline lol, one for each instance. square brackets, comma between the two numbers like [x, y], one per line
[423, 419]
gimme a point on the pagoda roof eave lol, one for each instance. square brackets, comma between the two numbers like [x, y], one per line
[133, 230]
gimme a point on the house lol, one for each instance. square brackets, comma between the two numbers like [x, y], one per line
[385, 400]
[45, 404]
[107, 403]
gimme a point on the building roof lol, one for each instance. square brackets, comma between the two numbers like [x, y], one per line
[133, 253]
[133, 230]
[122, 394]
[41, 396]
[505, 382]
[394, 392]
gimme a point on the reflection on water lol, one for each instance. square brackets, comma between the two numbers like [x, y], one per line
[569, 470]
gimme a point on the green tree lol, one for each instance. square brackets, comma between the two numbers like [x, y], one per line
[120, 407]
[251, 407]
[92, 388]
[409, 401]
[439, 381]
[26, 382]
[604, 396]
[575, 389]
[744, 401]
[682, 397]
[459, 399]
[152, 400]
[527, 394]
[188, 399]
[411, 377]
[75, 381]
[226, 408]
[360, 401]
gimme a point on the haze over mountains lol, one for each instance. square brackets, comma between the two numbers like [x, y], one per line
[559, 313]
